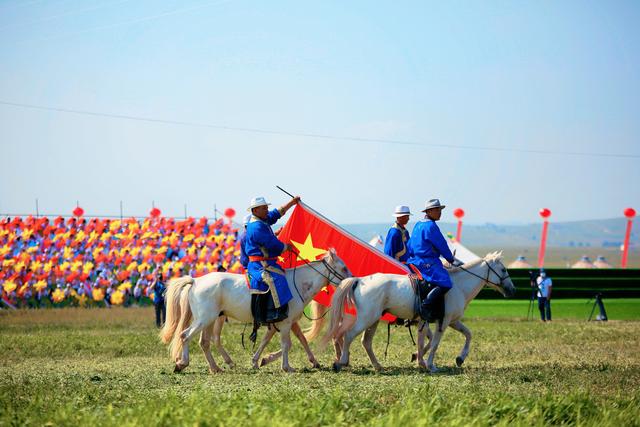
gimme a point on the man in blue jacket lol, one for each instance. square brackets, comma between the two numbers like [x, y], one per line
[427, 245]
[395, 245]
[266, 277]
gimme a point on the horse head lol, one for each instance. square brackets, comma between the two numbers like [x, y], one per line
[336, 265]
[498, 277]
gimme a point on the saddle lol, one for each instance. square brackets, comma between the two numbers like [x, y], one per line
[264, 312]
[421, 288]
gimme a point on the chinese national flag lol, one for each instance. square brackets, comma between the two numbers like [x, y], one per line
[312, 235]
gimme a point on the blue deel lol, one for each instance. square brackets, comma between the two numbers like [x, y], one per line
[266, 275]
[395, 244]
[426, 245]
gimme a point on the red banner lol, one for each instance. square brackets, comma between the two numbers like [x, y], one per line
[312, 235]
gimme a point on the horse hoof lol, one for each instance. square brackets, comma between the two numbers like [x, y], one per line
[178, 368]
[316, 365]
[433, 369]
[414, 357]
[459, 361]
[215, 371]
[255, 366]
[336, 367]
[289, 370]
[263, 362]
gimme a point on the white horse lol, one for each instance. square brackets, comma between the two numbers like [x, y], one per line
[380, 293]
[200, 305]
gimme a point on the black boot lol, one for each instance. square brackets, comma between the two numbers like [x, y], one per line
[275, 315]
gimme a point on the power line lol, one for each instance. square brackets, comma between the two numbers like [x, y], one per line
[315, 135]
[128, 22]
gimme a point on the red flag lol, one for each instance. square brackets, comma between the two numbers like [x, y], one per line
[312, 235]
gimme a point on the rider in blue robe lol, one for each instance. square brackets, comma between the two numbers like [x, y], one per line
[395, 245]
[427, 245]
[262, 248]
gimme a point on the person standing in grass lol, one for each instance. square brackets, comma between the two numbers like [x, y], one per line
[544, 295]
[158, 299]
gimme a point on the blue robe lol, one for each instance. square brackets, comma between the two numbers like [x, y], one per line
[395, 244]
[244, 259]
[265, 276]
[426, 245]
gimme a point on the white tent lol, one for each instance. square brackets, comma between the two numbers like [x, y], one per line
[520, 262]
[584, 262]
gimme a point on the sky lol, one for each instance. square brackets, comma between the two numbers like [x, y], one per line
[500, 108]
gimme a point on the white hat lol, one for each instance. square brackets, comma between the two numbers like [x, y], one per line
[246, 219]
[433, 203]
[401, 210]
[258, 201]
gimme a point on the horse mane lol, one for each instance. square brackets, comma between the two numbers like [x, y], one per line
[491, 256]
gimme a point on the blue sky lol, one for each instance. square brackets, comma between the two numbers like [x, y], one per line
[554, 77]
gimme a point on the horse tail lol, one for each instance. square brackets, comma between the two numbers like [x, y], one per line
[343, 295]
[317, 315]
[175, 348]
[172, 298]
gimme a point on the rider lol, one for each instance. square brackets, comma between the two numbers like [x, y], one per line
[427, 245]
[265, 275]
[395, 244]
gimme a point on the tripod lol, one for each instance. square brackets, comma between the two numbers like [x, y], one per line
[534, 288]
[603, 313]
[531, 309]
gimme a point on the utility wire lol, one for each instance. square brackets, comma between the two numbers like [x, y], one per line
[315, 135]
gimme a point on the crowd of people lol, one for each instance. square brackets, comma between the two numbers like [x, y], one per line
[102, 262]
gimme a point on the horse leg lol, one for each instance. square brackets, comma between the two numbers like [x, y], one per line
[263, 344]
[425, 347]
[295, 328]
[367, 343]
[359, 326]
[217, 331]
[285, 345]
[185, 337]
[460, 327]
[419, 355]
[205, 345]
[435, 342]
[338, 340]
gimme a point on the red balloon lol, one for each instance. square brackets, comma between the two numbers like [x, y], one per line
[458, 213]
[155, 212]
[229, 212]
[78, 211]
[629, 213]
[545, 213]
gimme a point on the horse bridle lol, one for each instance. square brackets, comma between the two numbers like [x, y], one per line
[491, 270]
[332, 271]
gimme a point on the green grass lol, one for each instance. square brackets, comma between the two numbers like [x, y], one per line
[561, 309]
[106, 367]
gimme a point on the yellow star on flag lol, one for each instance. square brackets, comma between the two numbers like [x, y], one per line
[307, 250]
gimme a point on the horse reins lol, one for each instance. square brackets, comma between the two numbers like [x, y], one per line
[486, 279]
[332, 271]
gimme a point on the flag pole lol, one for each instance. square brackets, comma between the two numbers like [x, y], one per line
[285, 191]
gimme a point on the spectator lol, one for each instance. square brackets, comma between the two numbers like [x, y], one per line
[544, 295]
[158, 299]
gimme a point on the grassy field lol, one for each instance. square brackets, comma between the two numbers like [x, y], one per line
[561, 309]
[106, 367]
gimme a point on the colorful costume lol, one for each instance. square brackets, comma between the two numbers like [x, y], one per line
[263, 248]
[395, 244]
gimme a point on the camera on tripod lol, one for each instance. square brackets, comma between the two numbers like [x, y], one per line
[602, 315]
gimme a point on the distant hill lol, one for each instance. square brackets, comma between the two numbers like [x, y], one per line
[604, 233]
